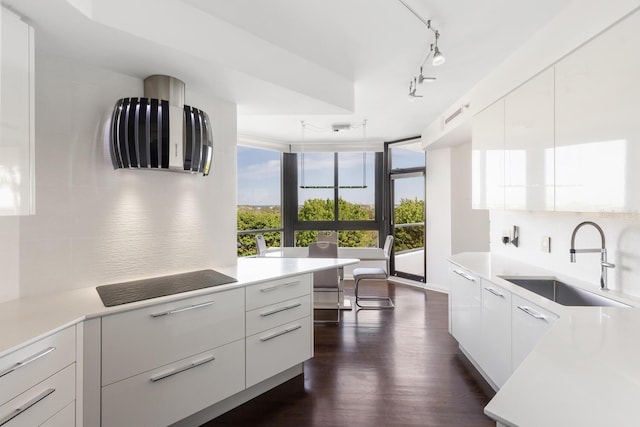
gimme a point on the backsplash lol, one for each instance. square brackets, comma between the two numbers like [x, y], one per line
[622, 232]
[95, 225]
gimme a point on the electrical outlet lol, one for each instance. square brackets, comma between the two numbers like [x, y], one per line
[545, 244]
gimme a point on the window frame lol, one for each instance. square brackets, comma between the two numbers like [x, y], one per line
[290, 202]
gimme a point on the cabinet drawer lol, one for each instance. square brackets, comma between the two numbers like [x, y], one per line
[529, 323]
[275, 350]
[268, 317]
[170, 393]
[26, 367]
[65, 418]
[41, 402]
[274, 291]
[144, 339]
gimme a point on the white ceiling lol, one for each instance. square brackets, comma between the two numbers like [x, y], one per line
[287, 61]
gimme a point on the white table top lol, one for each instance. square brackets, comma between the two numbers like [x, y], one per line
[586, 369]
[343, 252]
[26, 320]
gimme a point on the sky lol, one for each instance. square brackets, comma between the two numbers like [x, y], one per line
[259, 176]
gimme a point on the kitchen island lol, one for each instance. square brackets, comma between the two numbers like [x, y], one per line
[585, 371]
[70, 360]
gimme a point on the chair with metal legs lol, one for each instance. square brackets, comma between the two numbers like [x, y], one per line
[360, 274]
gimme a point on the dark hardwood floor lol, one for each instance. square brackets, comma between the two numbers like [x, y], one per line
[376, 368]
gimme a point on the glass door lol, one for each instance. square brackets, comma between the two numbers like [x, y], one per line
[407, 220]
[405, 163]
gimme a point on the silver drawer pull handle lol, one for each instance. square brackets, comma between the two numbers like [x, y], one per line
[279, 310]
[277, 334]
[273, 288]
[181, 309]
[26, 361]
[494, 292]
[465, 275]
[22, 408]
[174, 371]
[531, 312]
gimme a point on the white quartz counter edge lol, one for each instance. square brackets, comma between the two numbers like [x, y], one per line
[586, 369]
[26, 320]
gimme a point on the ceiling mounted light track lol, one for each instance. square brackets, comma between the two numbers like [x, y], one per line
[436, 56]
[158, 131]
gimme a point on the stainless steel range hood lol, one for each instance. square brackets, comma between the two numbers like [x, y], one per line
[159, 132]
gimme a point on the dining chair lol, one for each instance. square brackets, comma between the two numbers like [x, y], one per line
[261, 245]
[326, 283]
[360, 274]
[327, 236]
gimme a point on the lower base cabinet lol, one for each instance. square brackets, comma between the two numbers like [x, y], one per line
[170, 393]
[275, 350]
[495, 356]
[191, 354]
[529, 322]
[42, 401]
[495, 328]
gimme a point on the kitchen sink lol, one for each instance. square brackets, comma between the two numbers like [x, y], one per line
[560, 292]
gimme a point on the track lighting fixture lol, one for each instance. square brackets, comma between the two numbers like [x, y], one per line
[413, 85]
[422, 78]
[436, 56]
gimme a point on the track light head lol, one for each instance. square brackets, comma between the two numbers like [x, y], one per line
[438, 58]
[422, 78]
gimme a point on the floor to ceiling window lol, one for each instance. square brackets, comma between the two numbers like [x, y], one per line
[259, 198]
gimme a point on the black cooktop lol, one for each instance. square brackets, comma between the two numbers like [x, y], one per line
[138, 290]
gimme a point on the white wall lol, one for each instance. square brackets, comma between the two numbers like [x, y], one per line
[438, 216]
[452, 226]
[622, 232]
[469, 227]
[96, 225]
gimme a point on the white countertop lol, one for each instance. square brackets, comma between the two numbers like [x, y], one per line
[586, 369]
[26, 320]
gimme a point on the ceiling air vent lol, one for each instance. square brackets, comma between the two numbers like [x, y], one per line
[159, 132]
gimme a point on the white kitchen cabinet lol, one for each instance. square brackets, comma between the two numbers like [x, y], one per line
[279, 328]
[597, 125]
[38, 381]
[529, 145]
[495, 355]
[488, 161]
[144, 339]
[529, 323]
[466, 310]
[170, 393]
[42, 401]
[17, 130]
[26, 367]
[187, 354]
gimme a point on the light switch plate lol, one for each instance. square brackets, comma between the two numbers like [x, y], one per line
[545, 244]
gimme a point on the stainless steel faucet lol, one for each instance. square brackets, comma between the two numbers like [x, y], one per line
[603, 252]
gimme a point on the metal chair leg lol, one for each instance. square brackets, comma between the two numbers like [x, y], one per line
[389, 303]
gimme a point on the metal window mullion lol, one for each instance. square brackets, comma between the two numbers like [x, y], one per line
[336, 190]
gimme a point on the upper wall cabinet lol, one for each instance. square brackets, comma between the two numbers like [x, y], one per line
[17, 161]
[487, 160]
[598, 123]
[529, 148]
